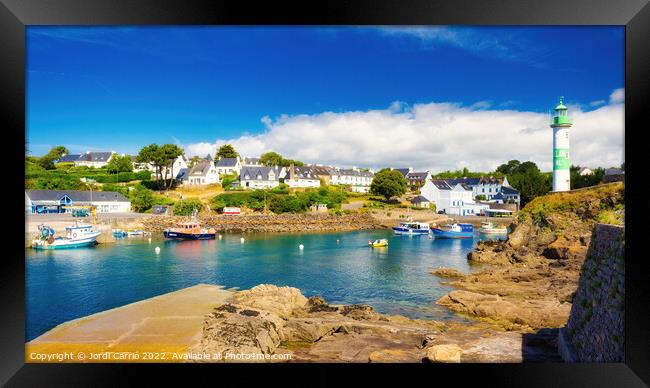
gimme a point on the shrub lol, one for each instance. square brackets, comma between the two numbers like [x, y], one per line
[185, 207]
[141, 199]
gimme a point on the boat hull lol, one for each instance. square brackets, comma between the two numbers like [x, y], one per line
[494, 231]
[439, 233]
[59, 244]
[188, 236]
[399, 230]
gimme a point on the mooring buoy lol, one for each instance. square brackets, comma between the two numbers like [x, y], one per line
[157, 250]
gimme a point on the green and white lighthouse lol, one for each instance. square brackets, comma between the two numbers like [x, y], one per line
[561, 123]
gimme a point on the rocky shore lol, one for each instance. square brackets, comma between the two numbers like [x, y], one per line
[532, 277]
[270, 223]
[271, 320]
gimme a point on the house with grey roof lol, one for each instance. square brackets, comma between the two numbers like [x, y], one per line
[455, 199]
[417, 179]
[203, 173]
[358, 180]
[420, 201]
[69, 158]
[260, 177]
[403, 171]
[614, 175]
[55, 201]
[94, 159]
[300, 176]
[228, 166]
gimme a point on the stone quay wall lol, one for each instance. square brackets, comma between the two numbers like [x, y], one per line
[270, 223]
[595, 331]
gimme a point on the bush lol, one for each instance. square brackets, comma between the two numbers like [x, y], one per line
[185, 207]
[141, 199]
[124, 190]
[285, 204]
[57, 183]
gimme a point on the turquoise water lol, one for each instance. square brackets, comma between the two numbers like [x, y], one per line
[66, 284]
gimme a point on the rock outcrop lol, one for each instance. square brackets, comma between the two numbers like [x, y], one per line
[269, 320]
[533, 275]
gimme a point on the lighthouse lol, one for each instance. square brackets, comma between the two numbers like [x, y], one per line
[561, 123]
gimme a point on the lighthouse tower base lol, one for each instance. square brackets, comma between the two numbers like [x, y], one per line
[561, 180]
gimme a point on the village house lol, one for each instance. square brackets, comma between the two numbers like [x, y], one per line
[55, 201]
[228, 166]
[259, 177]
[420, 201]
[203, 173]
[326, 173]
[302, 176]
[358, 180]
[486, 187]
[94, 159]
[585, 171]
[417, 179]
[457, 199]
[68, 158]
[404, 171]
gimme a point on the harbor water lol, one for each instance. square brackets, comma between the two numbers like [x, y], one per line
[62, 285]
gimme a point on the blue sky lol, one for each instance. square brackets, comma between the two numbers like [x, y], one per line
[121, 88]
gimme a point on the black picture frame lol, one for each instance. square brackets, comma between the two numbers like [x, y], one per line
[15, 15]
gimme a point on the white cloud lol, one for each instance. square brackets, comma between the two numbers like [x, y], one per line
[617, 96]
[597, 103]
[434, 136]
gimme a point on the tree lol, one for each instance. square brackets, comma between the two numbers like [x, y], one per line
[47, 160]
[185, 207]
[169, 153]
[388, 183]
[119, 164]
[226, 151]
[530, 182]
[141, 199]
[508, 168]
[150, 154]
[193, 161]
[160, 157]
[271, 159]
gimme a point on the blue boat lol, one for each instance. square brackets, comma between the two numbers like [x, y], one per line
[119, 233]
[454, 231]
[412, 228]
[189, 231]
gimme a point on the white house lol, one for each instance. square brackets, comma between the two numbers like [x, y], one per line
[487, 187]
[417, 179]
[228, 166]
[54, 201]
[259, 177]
[179, 164]
[585, 171]
[300, 177]
[203, 173]
[358, 180]
[457, 199]
[94, 159]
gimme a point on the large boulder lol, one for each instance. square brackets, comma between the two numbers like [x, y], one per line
[282, 301]
[444, 353]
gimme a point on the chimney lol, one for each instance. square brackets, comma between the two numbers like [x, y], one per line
[292, 172]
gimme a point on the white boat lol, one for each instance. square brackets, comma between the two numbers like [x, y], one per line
[135, 232]
[412, 228]
[77, 235]
[492, 228]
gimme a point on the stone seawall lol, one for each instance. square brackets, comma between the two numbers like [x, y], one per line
[270, 223]
[595, 331]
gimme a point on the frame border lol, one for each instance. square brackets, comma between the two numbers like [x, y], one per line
[15, 15]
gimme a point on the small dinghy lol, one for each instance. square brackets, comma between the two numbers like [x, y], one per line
[492, 228]
[378, 243]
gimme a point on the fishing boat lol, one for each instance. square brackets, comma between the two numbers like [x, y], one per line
[378, 243]
[138, 232]
[77, 235]
[492, 228]
[119, 233]
[412, 228]
[454, 231]
[189, 231]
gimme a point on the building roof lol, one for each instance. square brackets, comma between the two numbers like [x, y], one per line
[403, 171]
[466, 181]
[208, 158]
[419, 199]
[441, 184]
[509, 191]
[323, 170]
[301, 172]
[227, 162]
[614, 171]
[201, 168]
[69, 158]
[353, 172]
[95, 157]
[252, 172]
[183, 173]
[253, 161]
[499, 195]
[76, 195]
[491, 180]
[417, 175]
